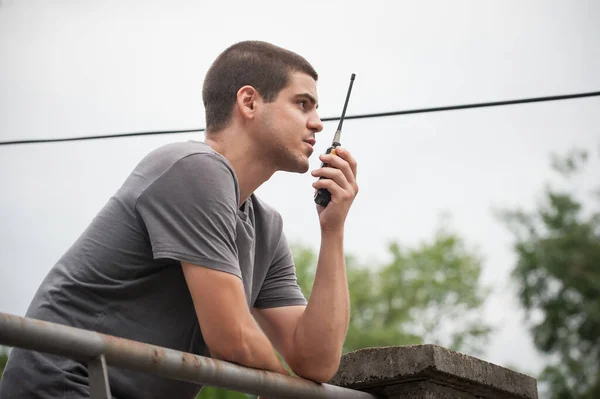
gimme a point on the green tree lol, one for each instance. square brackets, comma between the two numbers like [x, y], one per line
[557, 274]
[427, 294]
[218, 393]
[3, 359]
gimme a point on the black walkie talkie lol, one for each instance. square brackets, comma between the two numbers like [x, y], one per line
[322, 196]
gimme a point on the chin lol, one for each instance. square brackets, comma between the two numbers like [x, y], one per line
[303, 165]
[289, 161]
[299, 169]
[300, 166]
[304, 168]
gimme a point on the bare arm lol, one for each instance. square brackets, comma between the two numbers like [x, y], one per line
[311, 339]
[321, 330]
[227, 326]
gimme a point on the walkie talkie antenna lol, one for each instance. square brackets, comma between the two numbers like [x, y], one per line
[322, 195]
[338, 132]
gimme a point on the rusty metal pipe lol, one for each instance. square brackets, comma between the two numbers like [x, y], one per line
[85, 345]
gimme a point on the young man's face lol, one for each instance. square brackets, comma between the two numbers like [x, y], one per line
[288, 124]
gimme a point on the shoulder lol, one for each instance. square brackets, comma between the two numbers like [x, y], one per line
[184, 167]
[192, 157]
[166, 156]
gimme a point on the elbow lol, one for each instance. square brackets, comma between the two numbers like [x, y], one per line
[317, 370]
[232, 350]
[237, 353]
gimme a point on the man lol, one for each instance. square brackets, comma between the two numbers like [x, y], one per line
[185, 256]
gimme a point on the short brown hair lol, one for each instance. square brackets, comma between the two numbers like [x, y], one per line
[262, 65]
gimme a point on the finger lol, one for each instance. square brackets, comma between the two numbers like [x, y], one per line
[345, 154]
[334, 189]
[335, 162]
[338, 161]
[334, 174]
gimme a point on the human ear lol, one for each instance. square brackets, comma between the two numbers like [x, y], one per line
[246, 101]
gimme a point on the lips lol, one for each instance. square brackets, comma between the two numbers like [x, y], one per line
[311, 141]
[310, 145]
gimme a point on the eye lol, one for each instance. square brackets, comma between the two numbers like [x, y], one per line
[302, 103]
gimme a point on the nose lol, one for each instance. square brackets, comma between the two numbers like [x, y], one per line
[315, 124]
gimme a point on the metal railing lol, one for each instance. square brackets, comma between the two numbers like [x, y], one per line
[98, 350]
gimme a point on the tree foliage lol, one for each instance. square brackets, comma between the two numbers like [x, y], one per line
[558, 278]
[3, 359]
[217, 393]
[427, 294]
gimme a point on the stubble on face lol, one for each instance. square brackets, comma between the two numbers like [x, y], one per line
[284, 127]
[278, 151]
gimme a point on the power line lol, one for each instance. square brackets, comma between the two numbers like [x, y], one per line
[476, 105]
[107, 136]
[360, 116]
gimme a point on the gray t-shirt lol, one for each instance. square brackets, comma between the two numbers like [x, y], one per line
[123, 275]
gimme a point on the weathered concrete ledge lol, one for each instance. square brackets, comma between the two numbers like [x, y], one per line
[429, 371]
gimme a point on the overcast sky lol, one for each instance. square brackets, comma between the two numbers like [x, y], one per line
[82, 68]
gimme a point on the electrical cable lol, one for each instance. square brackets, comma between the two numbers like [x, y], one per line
[360, 116]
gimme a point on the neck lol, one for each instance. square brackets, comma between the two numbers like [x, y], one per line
[235, 145]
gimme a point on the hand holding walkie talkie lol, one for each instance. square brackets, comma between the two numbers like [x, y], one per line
[322, 195]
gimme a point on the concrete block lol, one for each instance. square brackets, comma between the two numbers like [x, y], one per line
[428, 372]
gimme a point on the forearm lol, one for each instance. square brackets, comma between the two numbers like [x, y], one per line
[321, 330]
[255, 350]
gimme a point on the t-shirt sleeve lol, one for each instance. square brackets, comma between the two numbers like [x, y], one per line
[190, 213]
[280, 287]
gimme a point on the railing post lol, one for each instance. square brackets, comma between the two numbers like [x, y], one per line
[429, 372]
[84, 345]
[98, 375]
